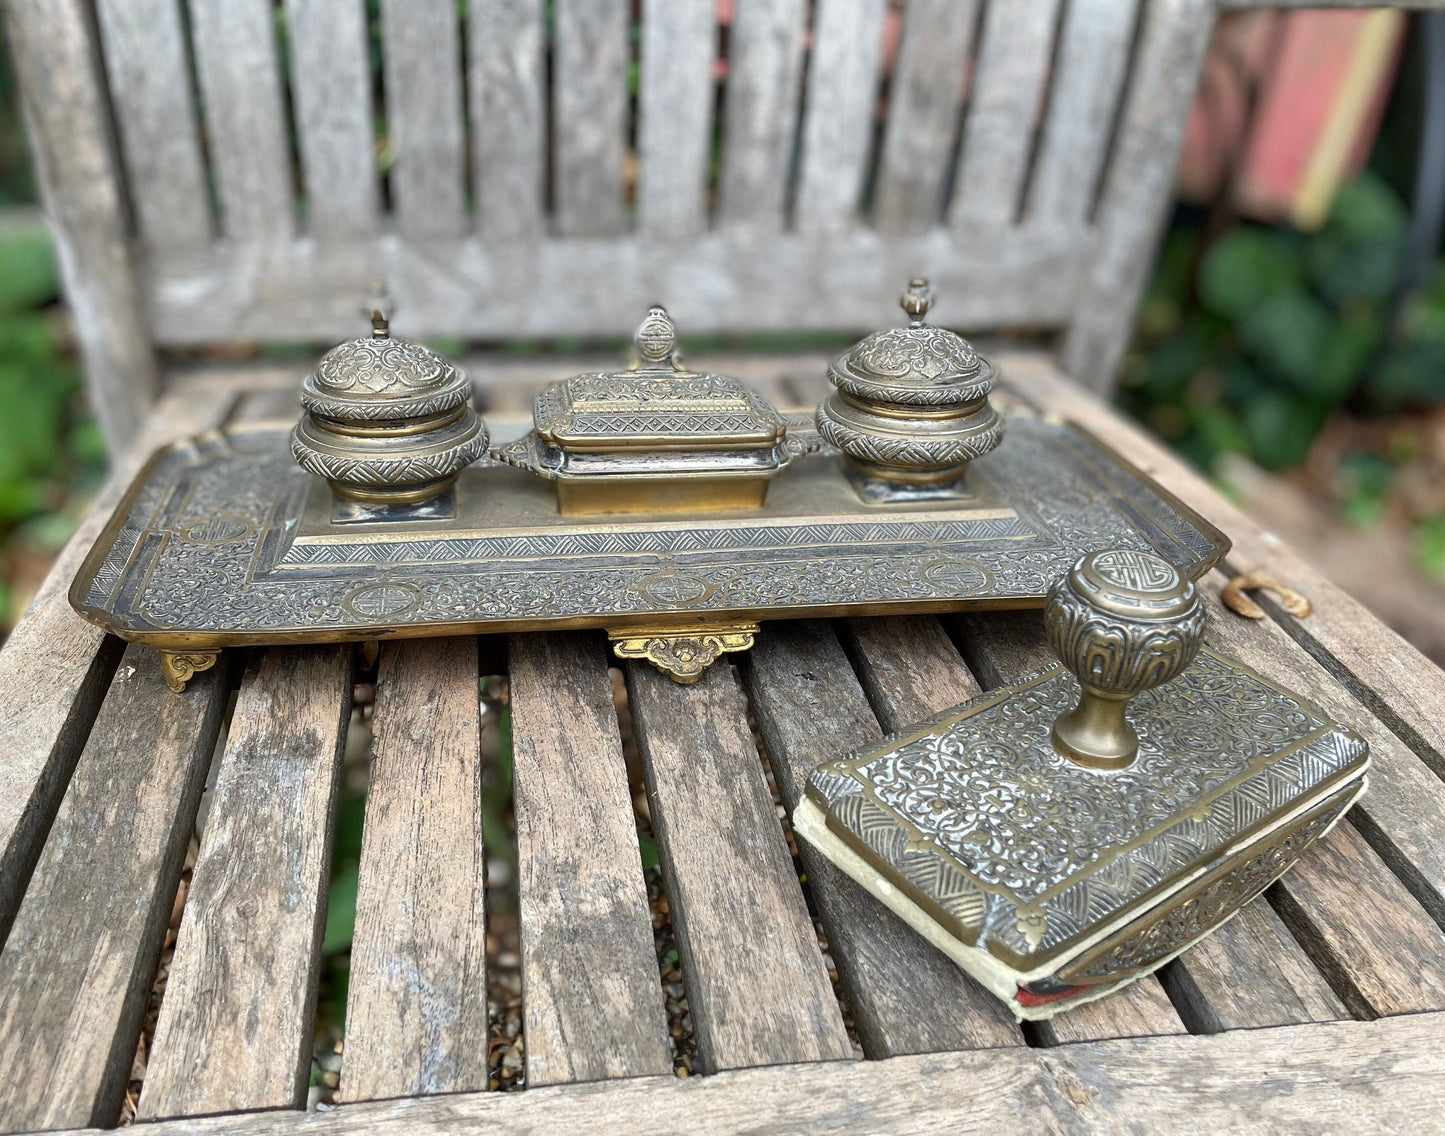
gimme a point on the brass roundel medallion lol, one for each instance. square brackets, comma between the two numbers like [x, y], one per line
[1138, 571]
[674, 589]
[955, 574]
[382, 601]
[219, 529]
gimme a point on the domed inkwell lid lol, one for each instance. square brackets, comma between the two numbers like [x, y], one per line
[918, 366]
[654, 438]
[389, 424]
[379, 378]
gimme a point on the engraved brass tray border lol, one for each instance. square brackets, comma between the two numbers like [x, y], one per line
[729, 621]
[1040, 963]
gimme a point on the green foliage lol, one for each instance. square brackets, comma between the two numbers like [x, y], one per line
[1250, 344]
[1287, 327]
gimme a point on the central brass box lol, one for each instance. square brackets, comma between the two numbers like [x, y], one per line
[654, 439]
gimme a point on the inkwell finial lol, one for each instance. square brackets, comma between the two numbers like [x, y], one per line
[917, 300]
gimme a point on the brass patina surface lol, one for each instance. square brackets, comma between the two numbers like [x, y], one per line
[1077, 877]
[389, 424]
[656, 437]
[910, 409]
[223, 540]
[1124, 621]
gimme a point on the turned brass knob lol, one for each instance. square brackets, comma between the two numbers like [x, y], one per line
[1124, 622]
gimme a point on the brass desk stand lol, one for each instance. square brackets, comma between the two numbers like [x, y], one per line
[1057, 863]
[676, 510]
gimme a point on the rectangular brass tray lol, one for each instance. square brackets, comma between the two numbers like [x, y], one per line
[223, 540]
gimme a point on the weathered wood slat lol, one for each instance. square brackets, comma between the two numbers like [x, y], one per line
[838, 122]
[924, 104]
[760, 111]
[1092, 65]
[151, 97]
[755, 978]
[589, 102]
[80, 181]
[674, 116]
[1250, 974]
[422, 52]
[506, 61]
[909, 668]
[235, 1028]
[77, 967]
[591, 992]
[1347, 1077]
[1136, 194]
[722, 280]
[1374, 942]
[245, 121]
[1003, 110]
[416, 1007]
[331, 96]
[906, 997]
[55, 667]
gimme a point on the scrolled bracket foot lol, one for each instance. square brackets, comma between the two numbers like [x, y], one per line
[179, 667]
[683, 654]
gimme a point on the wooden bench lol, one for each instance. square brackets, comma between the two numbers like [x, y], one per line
[1320, 1004]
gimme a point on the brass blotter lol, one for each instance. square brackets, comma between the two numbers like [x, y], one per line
[223, 540]
[1056, 848]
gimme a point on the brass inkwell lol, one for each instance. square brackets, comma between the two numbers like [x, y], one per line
[674, 509]
[1075, 831]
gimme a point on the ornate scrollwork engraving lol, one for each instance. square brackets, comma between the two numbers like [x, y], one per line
[684, 656]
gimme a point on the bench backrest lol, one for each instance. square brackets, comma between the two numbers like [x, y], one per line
[213, 172]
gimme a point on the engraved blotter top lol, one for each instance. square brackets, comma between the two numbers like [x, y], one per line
[1053, 883]
[654, 438]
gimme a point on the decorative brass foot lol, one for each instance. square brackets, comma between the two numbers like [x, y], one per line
[683, 653]
[179, 666]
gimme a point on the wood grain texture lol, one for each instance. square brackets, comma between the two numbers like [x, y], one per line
[722, 280]
[422, 51]
[506, 71]
[235, 1029]
[1136, 195]
[838, 119]
[591, 992]
[1376, 945]
[906, 996]
[674, 115]
[1003, 647]
[1347, 1077]
[1251, 973]
[760, 111]
[755, 978]
[55, 667]
[61, 93]
[1003, 111]
[589, 105]
[416, 1007]
[909, 668]
[331, 98]
[76, 970]
[245, 121]
[924, 105]
[1092, 63]
[149, 77]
